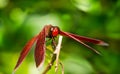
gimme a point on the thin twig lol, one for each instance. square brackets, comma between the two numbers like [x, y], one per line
[62, 67]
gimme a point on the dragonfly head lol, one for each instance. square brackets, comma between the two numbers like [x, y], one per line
[54, 30]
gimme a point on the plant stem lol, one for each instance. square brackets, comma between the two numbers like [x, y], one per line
[55, 57]
[57, 52]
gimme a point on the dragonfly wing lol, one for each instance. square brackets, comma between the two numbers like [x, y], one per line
[25, 51]
[40, 48]
[91, 40]
[78, 40]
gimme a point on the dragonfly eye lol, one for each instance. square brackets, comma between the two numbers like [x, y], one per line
[55, 31]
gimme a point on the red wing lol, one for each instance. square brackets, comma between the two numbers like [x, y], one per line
[40, 48]
[25, 51]
[91, 40]
[80, 41]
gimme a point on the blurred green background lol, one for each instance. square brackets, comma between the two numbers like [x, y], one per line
[20, 20]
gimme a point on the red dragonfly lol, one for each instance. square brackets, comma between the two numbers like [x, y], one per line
[50, 31]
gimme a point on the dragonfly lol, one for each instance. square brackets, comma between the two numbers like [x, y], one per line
[51, 32]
